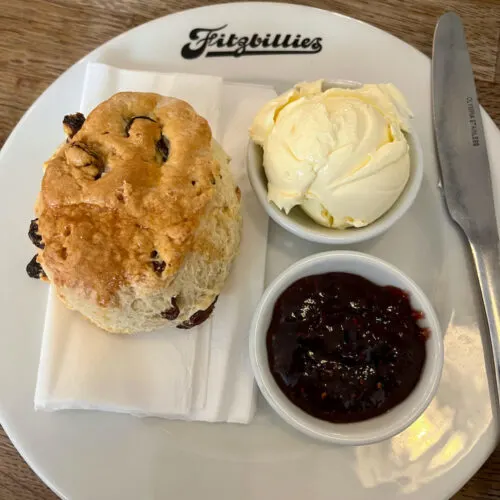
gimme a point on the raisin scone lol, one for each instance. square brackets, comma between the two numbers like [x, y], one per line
[138, 217]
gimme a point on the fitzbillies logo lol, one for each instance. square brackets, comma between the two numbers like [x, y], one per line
[215, 42]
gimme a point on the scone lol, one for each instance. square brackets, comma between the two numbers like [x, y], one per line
[138, 217]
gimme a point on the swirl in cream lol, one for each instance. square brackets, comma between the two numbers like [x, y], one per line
[341, 154]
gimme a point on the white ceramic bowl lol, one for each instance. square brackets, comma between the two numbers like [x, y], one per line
[300, 224]
[375, 429]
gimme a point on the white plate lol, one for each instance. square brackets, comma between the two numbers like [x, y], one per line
[84, 455]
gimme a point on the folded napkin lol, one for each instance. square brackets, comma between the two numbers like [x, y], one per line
[201, 374]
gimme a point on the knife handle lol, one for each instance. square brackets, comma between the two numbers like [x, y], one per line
[487, 260]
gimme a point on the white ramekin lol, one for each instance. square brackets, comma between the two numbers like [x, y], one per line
[375, 429]
[300, 224]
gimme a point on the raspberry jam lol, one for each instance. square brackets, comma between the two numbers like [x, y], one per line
[344, 349]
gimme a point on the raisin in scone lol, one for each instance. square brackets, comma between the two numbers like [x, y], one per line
[138, 217]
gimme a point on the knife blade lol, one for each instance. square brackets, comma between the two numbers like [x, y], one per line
[464, 164]
[459, 131]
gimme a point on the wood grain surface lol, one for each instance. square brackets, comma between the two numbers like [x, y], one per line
[39, 39]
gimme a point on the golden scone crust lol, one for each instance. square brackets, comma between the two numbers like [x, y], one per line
[125, 205]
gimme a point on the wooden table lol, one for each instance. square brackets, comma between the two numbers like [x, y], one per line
[39, 39]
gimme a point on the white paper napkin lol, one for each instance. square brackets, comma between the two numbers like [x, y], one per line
[201, 374]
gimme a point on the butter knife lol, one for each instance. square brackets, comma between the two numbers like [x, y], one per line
[465, 169]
